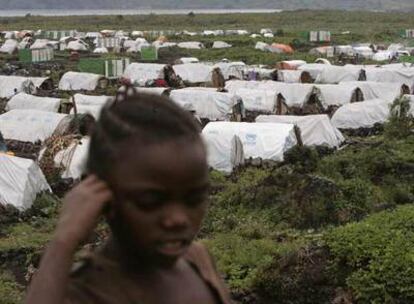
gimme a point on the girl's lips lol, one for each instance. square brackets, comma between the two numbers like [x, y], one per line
[173, 247]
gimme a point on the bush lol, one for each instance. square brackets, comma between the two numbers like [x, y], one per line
[241, 259]
[401, 122]
[10, 291]
[377, 253]
[304, 159]
[300, 276]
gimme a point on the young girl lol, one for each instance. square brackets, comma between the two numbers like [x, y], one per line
[149, 178]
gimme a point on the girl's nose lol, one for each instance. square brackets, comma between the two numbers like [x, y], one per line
[175, 217]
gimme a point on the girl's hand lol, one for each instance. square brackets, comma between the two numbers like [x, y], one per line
[82, 207]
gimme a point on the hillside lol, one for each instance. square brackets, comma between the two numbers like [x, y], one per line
[194, 4]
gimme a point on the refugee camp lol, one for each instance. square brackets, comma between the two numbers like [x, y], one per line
[186, 153]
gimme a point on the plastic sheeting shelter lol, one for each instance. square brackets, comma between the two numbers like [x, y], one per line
[10, 46]
[10, 85]
[221, 45]
[74, 81]
[206, 103]
[337, 95]
[77, 46]
[154, 91]
[263, 101]
[29, 125]
[362, 114]
[20, 181]
[73, 159]
[332, 74]
[391, 74]
[191, 45]
[268, 141]
[26, 101]
[292, 95]
[294, 76]
[377, 90]
[194, 72]
[315, 130]
[142, 72]
[314, 69]
[231, 69]
[86, 104]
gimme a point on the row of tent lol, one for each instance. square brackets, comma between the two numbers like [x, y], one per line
[366, 51]
[263, 97]
[228, 143]
[101, 45]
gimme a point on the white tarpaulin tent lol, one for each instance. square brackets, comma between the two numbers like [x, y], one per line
[294, 94]
[142, 72]
[391, 74]
[38, 81]
[29, 125]
[363, 114]
[42, 44]
[224, 154]
[315, 130]
[188, 60]
[194, 72]
[263, 101]
[75, 81]
[314, 69]
[206, 103]
[383, 55]
[154, 91]
[26, 101]
[268, 141]
[334, 95]
[77, 45]
[221, 45]
[231, 69]
[191, 45]
[101, 50]
[73, 159]
[233, 85]
[20, 181]
[10, 85]
[289, 76]
[376, 90]
[332, 74]
[87, 104]
[9, 47]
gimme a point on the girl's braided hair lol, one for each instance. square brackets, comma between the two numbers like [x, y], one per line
[144, 117]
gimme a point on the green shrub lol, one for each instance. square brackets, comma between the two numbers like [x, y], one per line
[241, 259]
[378, 255]
[304, 159]
[10, 291]
[299, 276]
[401, 122]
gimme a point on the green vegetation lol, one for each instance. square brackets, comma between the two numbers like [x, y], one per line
[276, 233]
[271, 230]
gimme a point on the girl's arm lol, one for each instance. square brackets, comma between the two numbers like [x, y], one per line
[81, 210]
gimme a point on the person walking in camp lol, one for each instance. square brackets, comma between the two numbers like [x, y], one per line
[149, 179]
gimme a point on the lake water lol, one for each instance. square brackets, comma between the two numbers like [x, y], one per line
[15, 13]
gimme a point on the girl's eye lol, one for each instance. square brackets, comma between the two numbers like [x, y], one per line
[149, 200]
[196, 198]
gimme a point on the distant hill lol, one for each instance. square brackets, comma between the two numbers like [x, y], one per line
[401, 5]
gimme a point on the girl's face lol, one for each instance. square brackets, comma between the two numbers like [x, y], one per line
[161, 195]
